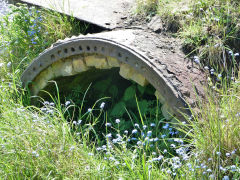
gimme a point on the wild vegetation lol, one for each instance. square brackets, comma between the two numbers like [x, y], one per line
[209, 29]
[47, 143]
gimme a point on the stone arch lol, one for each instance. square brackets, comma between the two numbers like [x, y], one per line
[75, 55]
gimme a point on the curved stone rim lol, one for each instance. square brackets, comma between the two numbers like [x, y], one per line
[106, 47]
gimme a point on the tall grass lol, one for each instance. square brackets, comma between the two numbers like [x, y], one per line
[26, 32]
[214, 131]
[209, 29]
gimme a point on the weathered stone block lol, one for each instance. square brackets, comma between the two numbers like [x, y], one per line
[96, 61]
[63, 68]
[42, 79]
[113, 62]
[126, 71]
[47, 74]
[38, 84]
[139, 78]
[56, 67]
[79, 65]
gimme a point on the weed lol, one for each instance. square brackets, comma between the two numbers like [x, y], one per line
[25, 32]
[209, 29]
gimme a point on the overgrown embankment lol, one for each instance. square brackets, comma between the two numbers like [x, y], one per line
[46, 143]
[209, 29]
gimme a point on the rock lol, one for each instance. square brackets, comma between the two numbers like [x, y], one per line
[63, 68]
[113, 62]
[97, 61]
[156, 24]
[79, 64]
[129, 73]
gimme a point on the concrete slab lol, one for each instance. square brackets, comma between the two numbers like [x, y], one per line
[106, 14]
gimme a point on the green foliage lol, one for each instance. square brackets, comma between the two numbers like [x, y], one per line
[208, 28]
[217, 127]
[25, 32]
[120, 101]
[129, 93]
[147, 7]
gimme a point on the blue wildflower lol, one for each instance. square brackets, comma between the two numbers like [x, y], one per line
[102, 105]
[225, 178]
[206, 68]
[9, 64]
[109, 135]
[173, 145]
[136, 125]
[152, 124]
[149, 133]
[230, 53]
[163, 136]
[139, 143]
[233, 168]
[209, 170]
[67, 103]
[134, 131]
[79, 122]
[228, 154]
[169, 171]
[108, 124]
[166, 126]
[117, 121]
[35, 154]
[196, 59]
[211, 176]
[31, 33]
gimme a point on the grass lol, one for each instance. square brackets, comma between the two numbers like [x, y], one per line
[42, 143]
[29, 32]
[208, 28]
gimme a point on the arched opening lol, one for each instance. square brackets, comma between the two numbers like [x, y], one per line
[77, 55]
[105, 86]
[104, 89]
[109, 78]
